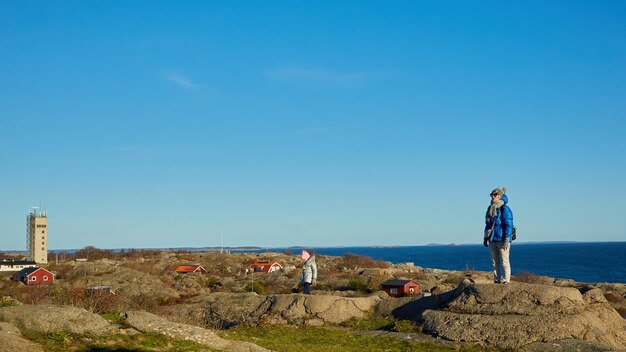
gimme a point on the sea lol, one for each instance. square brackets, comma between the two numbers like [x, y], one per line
[582, 262]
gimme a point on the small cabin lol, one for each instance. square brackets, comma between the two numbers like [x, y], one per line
[34, 276]
[266, 266]
[400, 288]
[190, 268]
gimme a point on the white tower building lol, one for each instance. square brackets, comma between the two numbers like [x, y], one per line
[37, 235]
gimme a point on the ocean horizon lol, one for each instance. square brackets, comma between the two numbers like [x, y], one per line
[589, 262]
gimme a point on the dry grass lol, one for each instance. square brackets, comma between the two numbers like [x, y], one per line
[531, 278]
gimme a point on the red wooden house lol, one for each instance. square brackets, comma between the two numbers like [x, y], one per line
[190, 268]
[34, 276]
[400, 288]
[266, 266]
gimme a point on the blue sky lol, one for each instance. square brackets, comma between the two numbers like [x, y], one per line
[314, 123]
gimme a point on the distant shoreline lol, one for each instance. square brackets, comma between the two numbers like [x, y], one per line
[257, 248]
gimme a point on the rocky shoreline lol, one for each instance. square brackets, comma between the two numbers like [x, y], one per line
[532, 313]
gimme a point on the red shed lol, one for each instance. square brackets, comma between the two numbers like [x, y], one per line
[266, 266]
[34, 276]
[184, 269]
[400, 288]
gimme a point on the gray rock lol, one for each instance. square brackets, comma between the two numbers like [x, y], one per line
[515, 315]
[147, 322]
[568, 345]
[49, 318]
[12, 340]
[226, 310]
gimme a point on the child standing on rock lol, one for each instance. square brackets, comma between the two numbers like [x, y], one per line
[309, 271]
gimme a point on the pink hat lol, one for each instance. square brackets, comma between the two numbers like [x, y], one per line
[305, 255]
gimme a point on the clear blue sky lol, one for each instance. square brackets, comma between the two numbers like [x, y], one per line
[314, 123]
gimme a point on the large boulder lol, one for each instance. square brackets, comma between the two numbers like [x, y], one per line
[147, 322]
[226, 310]
[123, 280]
[12, 340]
[518, 314]
[319, 309]
[49, 318]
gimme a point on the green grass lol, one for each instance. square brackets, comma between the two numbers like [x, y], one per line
[61, 342]
[328, 339]
[116, 318]
[378, 323]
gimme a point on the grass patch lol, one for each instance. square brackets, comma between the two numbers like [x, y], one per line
[373, 323]
[61, 342]
[8, 304]
[379, 323]
[117, 319]
[328, 339]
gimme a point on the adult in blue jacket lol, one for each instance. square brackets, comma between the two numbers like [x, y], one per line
[498, 235]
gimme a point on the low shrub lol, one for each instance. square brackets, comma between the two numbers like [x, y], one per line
[372, 323]
[454, 278]
[257, 287]
[360, 261]
[357, 284]
[528, 278]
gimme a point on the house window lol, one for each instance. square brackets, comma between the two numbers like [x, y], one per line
[45, 278]
[34, 278]
[393, 291]
[411, 290]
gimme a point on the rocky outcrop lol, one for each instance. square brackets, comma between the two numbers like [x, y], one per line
[147, 322]
[318, 309]
[511, 316]
[226, 310]
[49, 318]
[12, 340]
[126, 281]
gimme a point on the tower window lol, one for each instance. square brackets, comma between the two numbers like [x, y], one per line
[43, 231]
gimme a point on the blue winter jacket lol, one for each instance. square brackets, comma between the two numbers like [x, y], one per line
[503, 227]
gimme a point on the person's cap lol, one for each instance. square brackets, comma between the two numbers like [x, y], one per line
[499, 191]
[305, 255]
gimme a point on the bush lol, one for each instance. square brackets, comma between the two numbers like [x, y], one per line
[372, 323]
[528, 278]
[454, 278]
[614, 297]
[93, 253]
[357, 284]
[257, 287]
[360, 261]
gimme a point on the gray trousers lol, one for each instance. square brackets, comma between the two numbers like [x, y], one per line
[500, 260]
